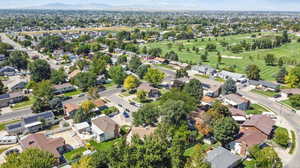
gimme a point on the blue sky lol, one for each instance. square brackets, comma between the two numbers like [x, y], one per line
[286, 5]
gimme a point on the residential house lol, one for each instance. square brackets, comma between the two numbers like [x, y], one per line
[63, 88]
[73, 74]
[204, 70]
[8, 140]
[211, 87]
[8, 71]
[265, 85]
[254, 131]
[17, 86]
[151, 91]
[237, 101]
[70, 109]
[31, 124]
[222, 158]
[55, 146]
[141, 132]
[104, 128]
[206, 100]
[83, 130]
[285, 93]
[100, 104]
[11, 98]
[235, 76]
[237, 114]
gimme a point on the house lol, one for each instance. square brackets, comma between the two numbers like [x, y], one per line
[237, 114]
[206, 100]
[204, 70]
[63, 88]
[222, 158]
[141, 132]
[285, 93]
[2, 57]
[8, 71]
[83, 130]
[254, 131]
[73, 74]
[104, 128]
[235, 76]
[8, 140]
[31, 124]
[100, 104]
[265, 85]
[70, 109]
[237, 101]
[56, 146]
[159, 60]
[211, 88]
[151, 91]
[20, 85]
[11, 98]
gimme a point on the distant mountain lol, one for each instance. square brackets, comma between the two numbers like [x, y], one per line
[63, 6]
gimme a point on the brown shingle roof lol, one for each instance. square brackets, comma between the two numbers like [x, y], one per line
[74, 73]
[70, 107]
[236, 112]
[42, 142]
[99, 102]
[105, 124]
[236, 98]
[142, 132]
[261, 122]
[251, 136]
[145, 87]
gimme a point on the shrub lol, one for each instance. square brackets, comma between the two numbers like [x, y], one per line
[281, 137]
[293, 145]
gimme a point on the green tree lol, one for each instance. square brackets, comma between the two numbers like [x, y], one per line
[229, 87]
[194, 88]
[197, 160]
[265, 158]
[142, 70]
[253, 72]
[280, 77]
[134, 63]
[30, 158]
[131, 82]
[84, 80]
[141, 95]
[270, 59]
[43, 94]
[174, 111]
[40, 70]
[93, 93]
[154, 76]
[225, 130]
[18, 59]
[58, 76]
[98, 66]
[2, 88]
[281, 136]
[122, 59]
[146, 115]
[293, 77]
[295, 101]
[117, 74]
[280, 62]
[204, 56]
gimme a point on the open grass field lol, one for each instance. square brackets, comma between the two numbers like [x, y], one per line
[237, 60]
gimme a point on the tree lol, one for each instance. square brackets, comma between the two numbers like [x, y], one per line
[141, 95]
[204, 56]
[87, 106]
[84, 162]
[194, 88]
[253, 72]
[281, 137]
[98, 66]
[280, 62]
[142, 70]
[265, 158]
[295, 101]
[93, 93]
[146, 115]
[197, 160]
[117, 74]
[84, 80]
[171, 56]
[18, 59]
[40, 70]
[2, 88]
[131, 82]
[34, 158]
[181, 73]
[43, 93]
[269, 59]
[58, 76]
[122, 59]
[134, 63]
[225, 130]
[80, 116]
[154, 76]
[229, 87]
[293, 77]
[219, 57]
[280, 77]
[174, 112]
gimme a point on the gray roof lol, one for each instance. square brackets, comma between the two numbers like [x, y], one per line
[232, 75]
[222, 158]
[37, 117]
[264, 84]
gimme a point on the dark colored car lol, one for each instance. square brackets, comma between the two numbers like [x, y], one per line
[125, 114]
[12, 151]
[277, 96]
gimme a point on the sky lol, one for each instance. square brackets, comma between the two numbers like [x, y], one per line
[274, 5]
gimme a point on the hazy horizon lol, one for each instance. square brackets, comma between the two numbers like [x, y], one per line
[242, 5]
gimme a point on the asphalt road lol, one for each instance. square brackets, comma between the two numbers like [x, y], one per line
[286, 113]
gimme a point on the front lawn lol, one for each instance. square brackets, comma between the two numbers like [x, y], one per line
[73, 93]
[256, 109]
[288, 103]
[265, 93]
[23, 104]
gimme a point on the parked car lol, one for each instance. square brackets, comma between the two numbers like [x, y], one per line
[277, 96]
[125, 114]
[12, 151]
[81, 95]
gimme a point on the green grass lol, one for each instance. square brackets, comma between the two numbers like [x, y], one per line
[204, 147]
[256, 109]
[293, 144]
[165, 66]
[23, 104]
[73, 93]
[3, 150]
[290, 50]
[2, 124]
[202, 76]
[109, 85]
[288, 103]
[265, 93]
[68, 156]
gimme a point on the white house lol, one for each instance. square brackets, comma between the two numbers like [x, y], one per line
[104, 128]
